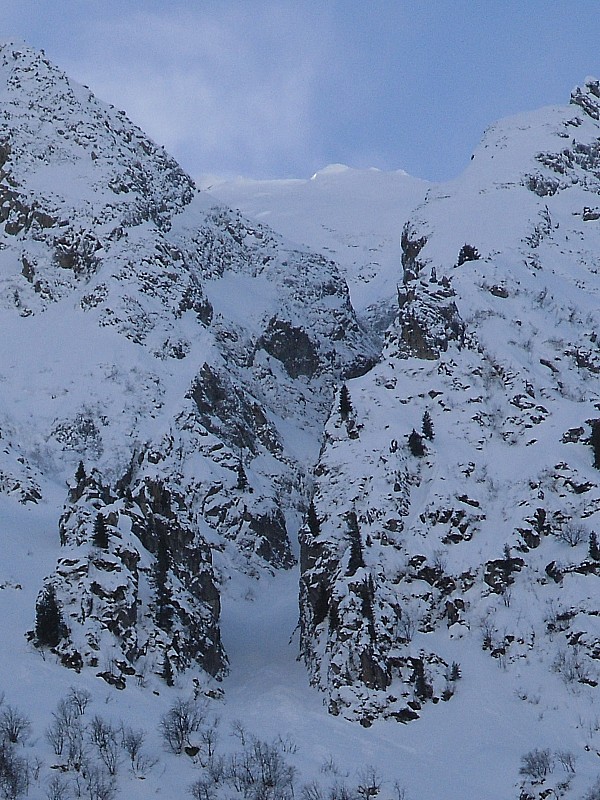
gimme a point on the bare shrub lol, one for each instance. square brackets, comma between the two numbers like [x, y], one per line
[75, 745]
[569, 664]
[62, 719]
[132, 741]
[204, 789]
[104, 737]
[406, 625]
[15, 727]
[340, 791]
[238, 730]
[311, 791]
[79, 699]
[399, 791]
[506, 593]
[209, 736]
[369, 783]
[14, 773]
[488, 632]
[287, 744]
[216, 769]
[182, 719]
[571, 533]
[440, 559]
[99, 784]
[260, 772]
[566, 759]
[537, 764]
[329, 766]
[58, 788]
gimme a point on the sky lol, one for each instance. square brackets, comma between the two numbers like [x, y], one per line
[281, 88]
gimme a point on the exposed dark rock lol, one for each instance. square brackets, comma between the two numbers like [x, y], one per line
[103, 589]
[411, 245]
[291, 346]
[272, 542]
[426, 326]
[225, 410]
[588, 98]
[498, 573]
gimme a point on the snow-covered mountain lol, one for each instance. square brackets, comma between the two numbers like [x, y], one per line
[403, 376]
[456, 501]
[353, 216]
[185, 357]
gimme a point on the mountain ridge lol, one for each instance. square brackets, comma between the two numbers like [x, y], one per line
[186, 389]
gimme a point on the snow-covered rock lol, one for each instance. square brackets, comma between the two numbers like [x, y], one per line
[174, 348]
[481, 530]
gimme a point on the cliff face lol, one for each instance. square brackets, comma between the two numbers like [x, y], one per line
[458, 498]
[184, 355]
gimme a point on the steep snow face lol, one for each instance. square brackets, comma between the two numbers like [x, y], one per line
[185, 356]
[456, 496]
[353, 216]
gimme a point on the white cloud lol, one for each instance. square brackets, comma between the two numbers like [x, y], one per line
[224, 89]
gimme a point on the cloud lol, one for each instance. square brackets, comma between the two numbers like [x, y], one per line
[223, 88]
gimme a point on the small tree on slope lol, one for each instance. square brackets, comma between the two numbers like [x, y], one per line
[356, 560]
[100, 532]
[427, 426]
[415, 444]
[48, 619]
[312, 521]
[595, 442]
[345, 403]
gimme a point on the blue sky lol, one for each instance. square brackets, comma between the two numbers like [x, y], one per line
[266, 88]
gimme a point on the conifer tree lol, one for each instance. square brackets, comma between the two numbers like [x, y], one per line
[167, 671]
[371, 586]
[467, 253]
[242, 478]
[321, 605]
[415, 444]
[76, 491]
[80, 474]
[595, 441]
[334, 616]
[100, 533]
[314, 526]
[345, 402]
[427, 426]
[507, 566]
[356, 559]
[455, 673]
[423, 690]
[48, 619]
[594, 548]
[367, 596]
